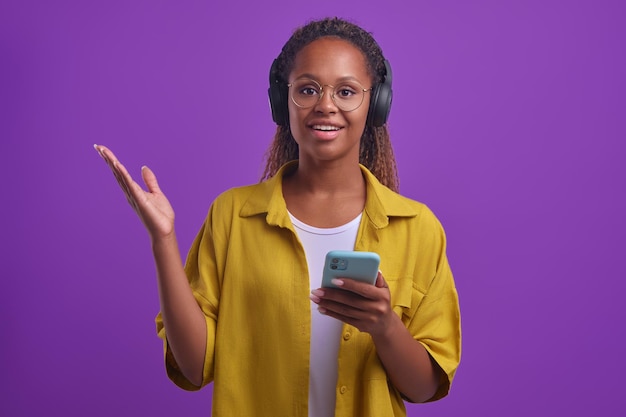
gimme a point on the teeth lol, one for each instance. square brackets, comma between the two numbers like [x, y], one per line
[323, 127]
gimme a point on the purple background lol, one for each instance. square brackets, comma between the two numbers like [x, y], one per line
[508, 121]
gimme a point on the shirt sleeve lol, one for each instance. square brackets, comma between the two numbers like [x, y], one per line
[201, 271]
[436, 322]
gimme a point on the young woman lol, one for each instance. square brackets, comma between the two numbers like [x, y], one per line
[246, 310]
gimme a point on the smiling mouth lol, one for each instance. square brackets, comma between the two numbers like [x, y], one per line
[325, 128]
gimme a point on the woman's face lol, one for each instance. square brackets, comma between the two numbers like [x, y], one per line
[323, 131]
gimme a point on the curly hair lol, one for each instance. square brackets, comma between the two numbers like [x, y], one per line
[376, 152]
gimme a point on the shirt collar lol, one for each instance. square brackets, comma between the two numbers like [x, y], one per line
[381, 203]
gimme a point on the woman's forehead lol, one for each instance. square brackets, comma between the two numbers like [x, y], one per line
[332, 58]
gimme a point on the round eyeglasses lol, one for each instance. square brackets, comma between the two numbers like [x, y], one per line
[347, 96]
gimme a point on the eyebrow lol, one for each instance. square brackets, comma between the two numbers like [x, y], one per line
[342, 79]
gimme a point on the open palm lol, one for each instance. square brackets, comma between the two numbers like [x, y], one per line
[152, 207]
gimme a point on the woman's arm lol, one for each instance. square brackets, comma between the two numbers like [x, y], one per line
[182, 317]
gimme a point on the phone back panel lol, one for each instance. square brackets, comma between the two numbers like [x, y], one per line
[361, 266]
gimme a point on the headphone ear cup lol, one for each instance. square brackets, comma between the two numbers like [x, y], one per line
[277, 105]
[380, 103]
[277, 97]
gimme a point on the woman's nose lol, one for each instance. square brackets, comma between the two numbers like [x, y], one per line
[326, 102]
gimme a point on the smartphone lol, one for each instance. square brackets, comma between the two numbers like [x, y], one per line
[361, 266]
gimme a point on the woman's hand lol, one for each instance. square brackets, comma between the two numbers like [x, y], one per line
[364, 306]
[151, 206]
[368, 308]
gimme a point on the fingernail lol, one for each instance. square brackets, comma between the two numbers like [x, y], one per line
[318, 293]
[321, 310]
[95, 146]
[314, 298]
[337, 282]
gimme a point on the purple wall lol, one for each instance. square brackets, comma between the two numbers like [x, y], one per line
[508, 120]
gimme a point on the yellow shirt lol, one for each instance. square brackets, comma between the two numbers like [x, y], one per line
[249, 275]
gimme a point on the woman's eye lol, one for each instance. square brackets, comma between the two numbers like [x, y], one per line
[308, 91]
[346, 92]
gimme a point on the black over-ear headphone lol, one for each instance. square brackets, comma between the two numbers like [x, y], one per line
[380, 100]
[278, 94]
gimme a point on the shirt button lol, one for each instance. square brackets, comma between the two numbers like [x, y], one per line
[343, 389]
[346, 336]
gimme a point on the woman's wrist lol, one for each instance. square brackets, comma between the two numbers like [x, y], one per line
[388, 329]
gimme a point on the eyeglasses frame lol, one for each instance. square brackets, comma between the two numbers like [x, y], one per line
[332, 96]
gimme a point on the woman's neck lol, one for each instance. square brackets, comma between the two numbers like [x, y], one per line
[325, 196]
[328, 179]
